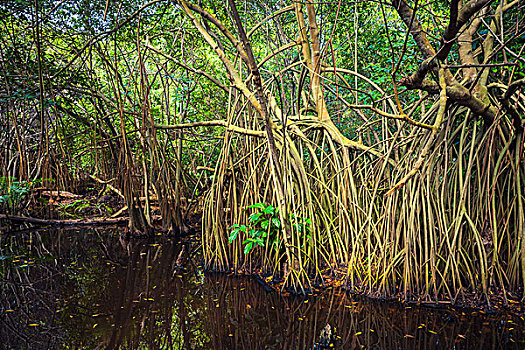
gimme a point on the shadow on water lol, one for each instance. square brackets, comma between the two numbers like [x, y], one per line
[93, 289]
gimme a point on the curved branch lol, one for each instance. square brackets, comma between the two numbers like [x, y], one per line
[100, 35]
[276, 13]
[222, 123]
[403, 116]
[435, 128]
[236, 43]
[182, 65]
[414, 27]
[457, 21]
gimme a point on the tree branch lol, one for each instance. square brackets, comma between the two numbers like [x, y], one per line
[222, 123]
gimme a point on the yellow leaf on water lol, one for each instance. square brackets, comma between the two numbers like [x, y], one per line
[359, 333]
[217, 305]
[33, 325]
[96, 324]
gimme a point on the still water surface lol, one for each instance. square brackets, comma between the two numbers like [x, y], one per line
[93, 289]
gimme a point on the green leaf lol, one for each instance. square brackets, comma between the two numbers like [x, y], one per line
[255, 216]
[256, 205]
[233, 235]
[276, 222]
[269, 210]
[264, 224]
[247, 248]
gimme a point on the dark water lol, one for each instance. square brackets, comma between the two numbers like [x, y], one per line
[92, 289]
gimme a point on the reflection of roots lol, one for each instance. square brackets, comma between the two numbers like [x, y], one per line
[426, 239]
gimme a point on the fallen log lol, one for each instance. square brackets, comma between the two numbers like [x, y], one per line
[63, 194]
[73, 222]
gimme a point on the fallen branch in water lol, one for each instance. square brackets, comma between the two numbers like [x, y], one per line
[74, 222]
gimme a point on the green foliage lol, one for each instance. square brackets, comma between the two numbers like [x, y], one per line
[263, 227]
[75, 207]
[13, 194]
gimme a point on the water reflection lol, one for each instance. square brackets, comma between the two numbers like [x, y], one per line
[93, 289]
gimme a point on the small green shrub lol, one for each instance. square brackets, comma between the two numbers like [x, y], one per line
[74, 208]
[263, 227]
[13, 194]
